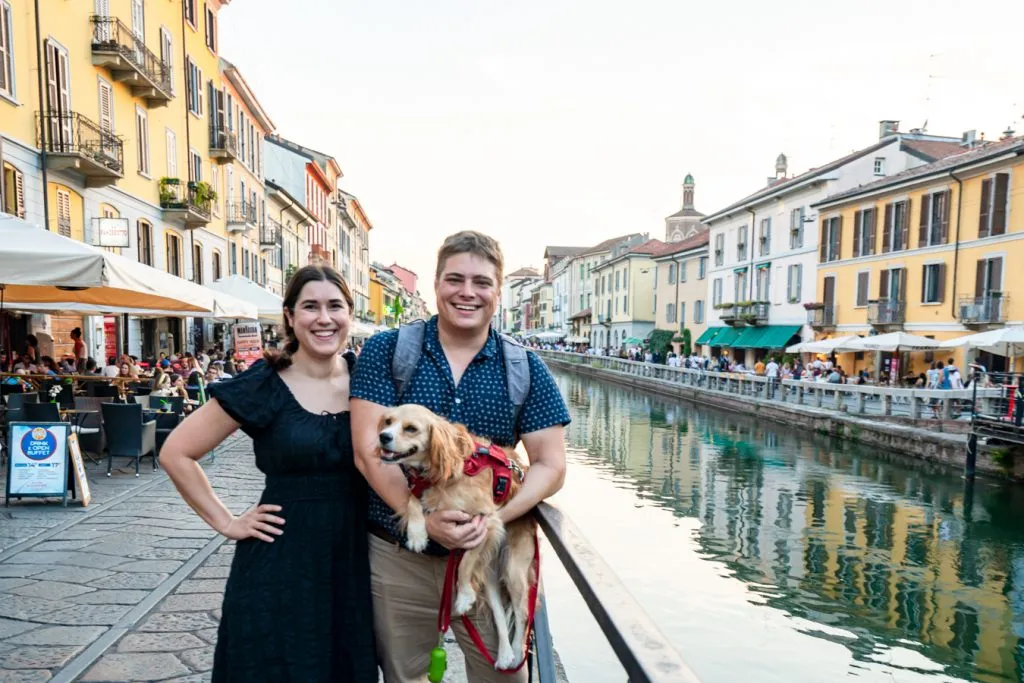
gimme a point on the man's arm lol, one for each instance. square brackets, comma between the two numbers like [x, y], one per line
[546, 451]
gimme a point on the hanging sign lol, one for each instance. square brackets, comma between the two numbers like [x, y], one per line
[248, 342]
[38, 464]
[111, 232]
[78, 467]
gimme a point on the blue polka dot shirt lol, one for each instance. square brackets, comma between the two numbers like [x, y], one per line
[480, 400]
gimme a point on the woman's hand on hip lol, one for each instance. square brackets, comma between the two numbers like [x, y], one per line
[257, 522]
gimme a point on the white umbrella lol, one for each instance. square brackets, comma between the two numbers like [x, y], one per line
[827, 345]
[359, 329]
[892, 342]
[1005, 341]
[268, 305]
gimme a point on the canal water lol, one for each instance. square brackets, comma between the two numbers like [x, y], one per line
[767, 553]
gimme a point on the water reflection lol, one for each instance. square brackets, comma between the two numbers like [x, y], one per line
[886, 553]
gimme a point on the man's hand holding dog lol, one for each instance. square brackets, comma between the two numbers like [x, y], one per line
[454, 529]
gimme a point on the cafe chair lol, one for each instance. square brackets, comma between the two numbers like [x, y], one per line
[91, 442]
[127, 435]
[49, 412]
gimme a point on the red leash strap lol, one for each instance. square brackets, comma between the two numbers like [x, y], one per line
[444, 613]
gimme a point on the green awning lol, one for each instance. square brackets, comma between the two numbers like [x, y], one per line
[749, 338]
[776, 336]
[636, 341]
[726, 337]
[708, 335]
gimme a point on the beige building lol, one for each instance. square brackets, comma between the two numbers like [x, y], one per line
[680, 290]
[624, 292]
[293, 220]
[541, 304]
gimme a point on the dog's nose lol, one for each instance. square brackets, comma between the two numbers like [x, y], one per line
[386, 438]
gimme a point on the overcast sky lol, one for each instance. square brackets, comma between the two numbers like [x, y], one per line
[570, 121]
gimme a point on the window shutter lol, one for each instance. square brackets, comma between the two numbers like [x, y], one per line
[995, 278]
[999, 204]
[837, 237]
[924, 283]
[106, 108]
[872, 230]
[19, 193]
[942, 282]
[944, 228]
[986, 201]
[902, 292]
[799, 280]
[922, 227]
[823, 246]
[904, 236]
[887, 230]
[863, 282]
[979, 278]
[883, 285]
[858, 221]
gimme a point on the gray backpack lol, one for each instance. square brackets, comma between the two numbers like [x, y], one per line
[409, 348]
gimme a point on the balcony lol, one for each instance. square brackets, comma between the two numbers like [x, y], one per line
[241, 217]
[270, 233]
[223, 144]
[887, 313]
[981, 311]
[755, 313]
[77, 143]
[189, 203]
[823, 317]
[125, 55]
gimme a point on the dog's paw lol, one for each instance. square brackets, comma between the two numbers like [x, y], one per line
[416, 539]
[506, 658]
[464, 602]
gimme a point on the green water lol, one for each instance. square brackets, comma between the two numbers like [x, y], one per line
[766, 553]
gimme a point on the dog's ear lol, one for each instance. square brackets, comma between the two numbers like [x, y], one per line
[450, 445]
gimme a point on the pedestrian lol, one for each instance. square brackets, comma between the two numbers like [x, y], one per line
[297, 605]
[79, 348]
[460, 374]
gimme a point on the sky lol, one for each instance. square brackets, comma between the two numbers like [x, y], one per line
[566, 122]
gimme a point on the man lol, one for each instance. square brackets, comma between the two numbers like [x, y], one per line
[771, 371]
[461, 376]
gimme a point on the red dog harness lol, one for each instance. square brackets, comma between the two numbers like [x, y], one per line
[484, 457]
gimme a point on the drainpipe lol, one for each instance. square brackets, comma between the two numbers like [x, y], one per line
[956, 247]
[42, 121]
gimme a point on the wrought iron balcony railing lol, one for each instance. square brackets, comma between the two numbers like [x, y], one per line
[118, 48]
[186, 201]
[270, 233]
[883, 312]
[242, 215]
[76, 142]
[822, 318]
[223, 143]
[989, 309]
[755, 313]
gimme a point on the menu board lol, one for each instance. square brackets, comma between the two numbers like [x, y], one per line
[248, 342]
[38, 460]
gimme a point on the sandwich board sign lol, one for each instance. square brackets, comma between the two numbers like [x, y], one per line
[78, 467]
[38, 464]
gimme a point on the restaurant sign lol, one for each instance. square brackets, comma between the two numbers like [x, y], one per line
[111, 232]
[38, 465]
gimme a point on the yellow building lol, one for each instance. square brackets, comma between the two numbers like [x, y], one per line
[384, 291]
[624, 296]
[928, 251]
[541, 305]
[114, 149]
[681, 287]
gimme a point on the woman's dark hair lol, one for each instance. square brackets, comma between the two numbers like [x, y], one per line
[77, 332]
[279, 360]
[32, 341]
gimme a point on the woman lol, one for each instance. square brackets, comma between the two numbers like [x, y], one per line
[161, 380]
[297, 604]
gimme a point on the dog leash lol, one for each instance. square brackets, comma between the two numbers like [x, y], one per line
[438, 657]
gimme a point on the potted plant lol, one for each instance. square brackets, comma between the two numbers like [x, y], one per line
[204, 193]
[813, 305]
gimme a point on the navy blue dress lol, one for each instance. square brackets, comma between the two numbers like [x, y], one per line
[298, 609]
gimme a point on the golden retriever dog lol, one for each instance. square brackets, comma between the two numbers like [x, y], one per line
[433, 448]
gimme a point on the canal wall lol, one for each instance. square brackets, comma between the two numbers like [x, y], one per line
[929, 440]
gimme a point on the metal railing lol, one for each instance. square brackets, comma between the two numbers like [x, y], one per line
[222, 139]
[177, 196]
[854, 399]
[242, 212]
[887, 312]
[755, 313]
[72, 133]
[110, 35]
[982, 310]
[644, 652]
[822, 318]
[270, 232]
[729, 313]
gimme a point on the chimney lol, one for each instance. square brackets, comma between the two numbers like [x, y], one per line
[887, 128]
[968, 139]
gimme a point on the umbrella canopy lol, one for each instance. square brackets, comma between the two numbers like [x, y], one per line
[892, 342]
[360, 330]
[268, 305]
[1005, 341]
[825, 345]
[41, 270]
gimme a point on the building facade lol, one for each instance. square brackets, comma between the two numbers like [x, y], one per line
[356, 248]
[680, 290]
[508, 307]
[624, 293]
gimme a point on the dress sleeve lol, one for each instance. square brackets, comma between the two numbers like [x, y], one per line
[251, 398]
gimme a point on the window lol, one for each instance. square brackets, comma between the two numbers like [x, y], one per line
[864, 232]
[245, 262]
[896, 226]
[698, 311]
[794, 282]
[933, 283]
[702, 267]
[765, 237]
[994, 198]
[682, 271]
[740, 290]
[234, 258]
[195, 166]
[63, 213]
[625, 303]
[671, 273]
[892, 284]
[145, 242]
[215, 183]
[194, 87]
[172, 153]
[6, 50]
[167, 56]
[863, 284]
[831, 238]
[796, 228]
[197, 264]
[879, 165]
[988, 277]
[142, 139]
[13, 191]
[190, 13]
[625, 279]
[211, 28]
[763, 283]
[934, 225]
[618, 282]
[173, 255]
[741, 244]
[670, 313]
[716, 291]
[719, 249]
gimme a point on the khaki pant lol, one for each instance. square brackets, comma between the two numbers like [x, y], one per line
[406, 595]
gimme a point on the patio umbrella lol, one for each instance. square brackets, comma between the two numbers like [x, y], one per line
[827, 345]
[1005, 341]
[268, 305]
[893, 342]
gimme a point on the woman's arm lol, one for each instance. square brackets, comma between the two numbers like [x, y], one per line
[190, 441]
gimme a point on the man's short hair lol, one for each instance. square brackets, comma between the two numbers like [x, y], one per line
[471, 242]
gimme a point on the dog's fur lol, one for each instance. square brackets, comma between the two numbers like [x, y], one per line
[415, 437]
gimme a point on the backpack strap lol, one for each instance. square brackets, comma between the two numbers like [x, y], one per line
[517, 376]
[408, 349]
